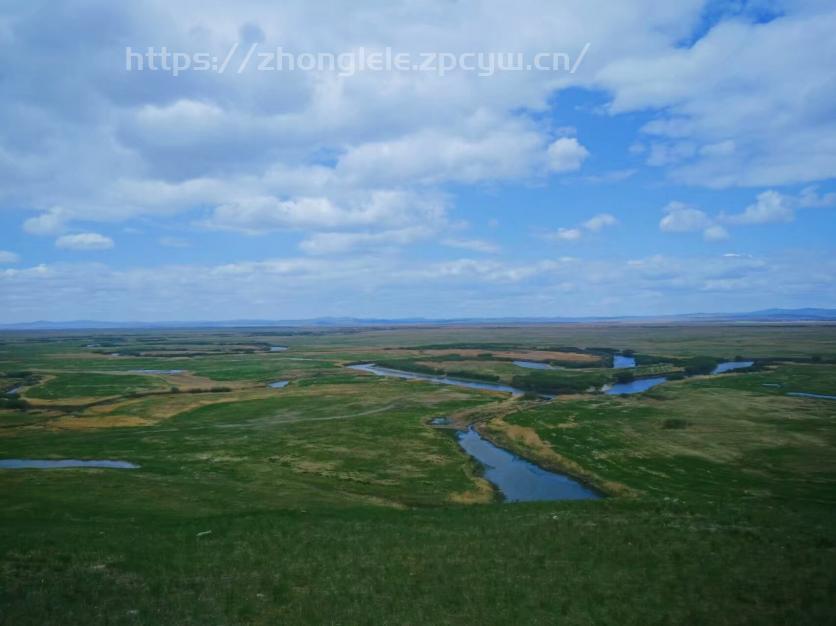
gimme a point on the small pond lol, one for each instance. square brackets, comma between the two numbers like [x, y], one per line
[160, 372]
[534, 365]
[636, 386]
[62, 463]
[279, 384]
[620, 362]
[732, 365]
[517, 479]
[278, 348]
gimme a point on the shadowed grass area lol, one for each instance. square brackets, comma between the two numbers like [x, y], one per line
[577, 563]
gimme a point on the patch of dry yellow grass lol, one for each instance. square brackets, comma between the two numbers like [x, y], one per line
[68, 422]
[482, 494]
[520, 355]
[526, 442]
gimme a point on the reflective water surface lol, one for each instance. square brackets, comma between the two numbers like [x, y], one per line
[817, 396]
[732, 365]
[534, 365]
[441, 380]
[621, 362]
[636, 386]
[517, 479]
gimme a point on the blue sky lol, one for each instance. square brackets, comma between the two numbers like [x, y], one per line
[688, 164]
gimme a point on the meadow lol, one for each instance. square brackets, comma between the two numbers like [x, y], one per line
[334, 500]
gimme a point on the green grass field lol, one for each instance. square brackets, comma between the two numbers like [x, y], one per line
[333, 501]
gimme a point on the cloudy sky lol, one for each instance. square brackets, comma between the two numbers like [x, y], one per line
[675, 157]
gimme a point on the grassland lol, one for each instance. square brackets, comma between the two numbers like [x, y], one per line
[333, 501]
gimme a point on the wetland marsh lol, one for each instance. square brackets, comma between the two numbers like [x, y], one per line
[349, 493]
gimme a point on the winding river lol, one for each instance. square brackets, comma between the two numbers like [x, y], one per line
[635, 386]
[519, 480]
[441, 380]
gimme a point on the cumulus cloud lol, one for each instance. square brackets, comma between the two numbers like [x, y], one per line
[810, 198]
[600, 221]
[724, 124]
[770, 206]
[592, 225]
[566, 155]
[366, 164]
[84, 241]
[682, 218]
[143, 144]
[487, 149]
[51, 222]
[383, 218]
[8, 257]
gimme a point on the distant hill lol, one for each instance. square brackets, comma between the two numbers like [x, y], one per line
[766, 315]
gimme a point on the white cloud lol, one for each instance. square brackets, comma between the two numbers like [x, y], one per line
[485, 149]
[296, 287]
[761, 120]
[380, 210]
[810, 198]
[566, 234]
[8, 257]
[566, 155]
[84, 241]
[770, 206]
[681, 218]
[341, 243]
[600, 221]
[592, 225]
[715, 233]
[475, 245]
[143, 145]
[363, 164]
[51, 222]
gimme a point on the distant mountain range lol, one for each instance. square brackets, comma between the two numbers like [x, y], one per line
[765, 316]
